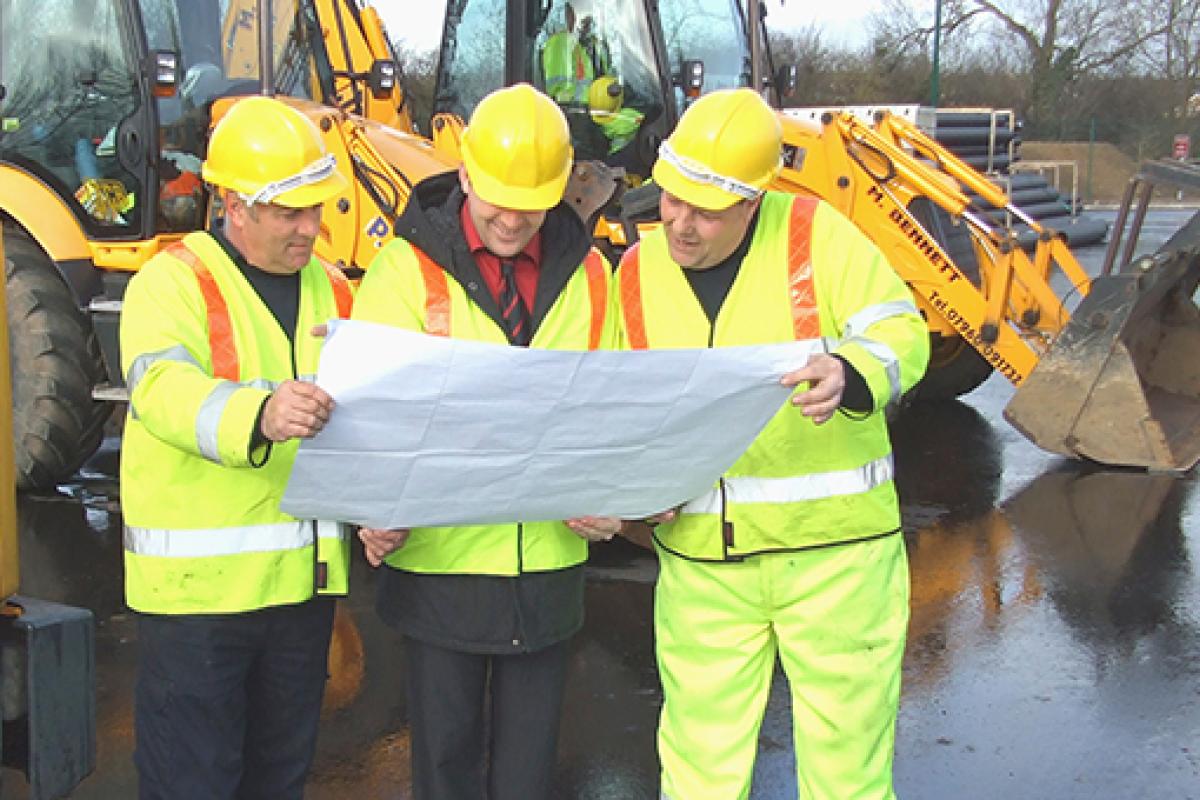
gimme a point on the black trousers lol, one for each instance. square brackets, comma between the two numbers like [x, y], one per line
[484, 721]
[227, 705]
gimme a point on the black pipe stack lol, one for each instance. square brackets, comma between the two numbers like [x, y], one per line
[988, 140]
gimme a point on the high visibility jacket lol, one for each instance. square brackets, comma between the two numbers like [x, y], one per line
[567, 68]
[201, 353]
[809, 274]
[405, 288]
[618, 126]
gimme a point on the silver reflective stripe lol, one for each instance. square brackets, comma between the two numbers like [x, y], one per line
[868, 316]
[141, 365]
[262, 383]
[200, 542]
[327, 529]
[885, 356]
[799, 489]
[308, 377]
[208, 419]
[696, 172]
[315, 172]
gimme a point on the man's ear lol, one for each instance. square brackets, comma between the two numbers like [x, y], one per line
[236, 209]
[464, 182]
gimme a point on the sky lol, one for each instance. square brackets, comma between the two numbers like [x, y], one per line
[417, 24]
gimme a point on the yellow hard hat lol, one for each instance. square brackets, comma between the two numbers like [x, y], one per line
[517, 149]
[602, 97]
[271, 153]
[725, 148]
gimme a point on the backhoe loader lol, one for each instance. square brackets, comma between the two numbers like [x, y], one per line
[47, 653]
[990, 306]
[105, 106]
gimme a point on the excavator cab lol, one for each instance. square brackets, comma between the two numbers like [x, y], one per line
[105, 108]
[621, 71]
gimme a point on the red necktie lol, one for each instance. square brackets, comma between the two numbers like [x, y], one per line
[512, 308]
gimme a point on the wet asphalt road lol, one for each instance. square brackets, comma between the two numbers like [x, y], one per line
[1054, 650]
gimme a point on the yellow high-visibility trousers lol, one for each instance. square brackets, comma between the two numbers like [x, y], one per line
[837, 617]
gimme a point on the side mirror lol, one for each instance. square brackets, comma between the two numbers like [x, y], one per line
[691, 77]
[787, 78]
[382, 77]
[165, 64]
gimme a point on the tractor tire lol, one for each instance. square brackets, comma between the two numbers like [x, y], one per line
[56, 362]
[955, 368]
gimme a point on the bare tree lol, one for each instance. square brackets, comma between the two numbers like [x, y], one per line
[1175, 57]
[1063, 40]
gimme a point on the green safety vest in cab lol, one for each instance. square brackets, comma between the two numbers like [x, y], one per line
[567, 69]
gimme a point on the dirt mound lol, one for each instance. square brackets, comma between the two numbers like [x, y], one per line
[1110, 169]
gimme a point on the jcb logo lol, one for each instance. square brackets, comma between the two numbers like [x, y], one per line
[378, 230]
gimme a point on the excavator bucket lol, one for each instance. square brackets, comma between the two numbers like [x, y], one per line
[1120, 385]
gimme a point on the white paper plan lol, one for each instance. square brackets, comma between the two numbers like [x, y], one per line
[435, 431]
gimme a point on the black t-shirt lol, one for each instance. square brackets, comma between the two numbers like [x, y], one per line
[711, 286]
[280, 293]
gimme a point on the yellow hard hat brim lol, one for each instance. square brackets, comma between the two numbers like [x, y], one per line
[517, 198]
[700, 195]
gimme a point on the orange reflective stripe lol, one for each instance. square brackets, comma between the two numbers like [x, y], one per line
[220, 328]
[437, 295]
[806, 322]
[342, 295]
[597, 277]
[631, 298]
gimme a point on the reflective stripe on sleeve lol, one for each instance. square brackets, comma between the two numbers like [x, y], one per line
[200, 542]
[798, 489]
[208, 419]
[885, 356]
[868, 316]
[141, 365]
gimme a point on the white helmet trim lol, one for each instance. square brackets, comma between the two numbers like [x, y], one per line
[315, 172]
[698, 173]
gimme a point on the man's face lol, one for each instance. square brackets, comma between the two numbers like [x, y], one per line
[698, 238]
[274, 238]
[504, 231]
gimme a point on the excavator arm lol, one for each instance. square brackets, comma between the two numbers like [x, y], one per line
[1102, 368]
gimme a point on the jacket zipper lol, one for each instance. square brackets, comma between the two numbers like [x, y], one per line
[726, 525]
[519, 633]
[320, 568]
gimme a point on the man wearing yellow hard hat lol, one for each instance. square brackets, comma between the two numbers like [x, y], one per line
[796, 552]
[491, 253]
[234, 617]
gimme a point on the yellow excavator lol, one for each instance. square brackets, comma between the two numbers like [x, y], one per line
[47, 653]
[1120, 344]
[105, 107]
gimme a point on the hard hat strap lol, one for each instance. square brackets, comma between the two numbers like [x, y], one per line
[315, 172]
[698, 173]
